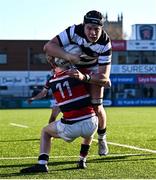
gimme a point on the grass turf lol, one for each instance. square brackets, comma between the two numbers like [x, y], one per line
[134, 126]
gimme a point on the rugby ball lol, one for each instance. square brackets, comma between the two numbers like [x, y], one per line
[71, 48]
[84, 58]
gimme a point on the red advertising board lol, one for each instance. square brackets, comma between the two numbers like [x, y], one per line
[119, 45]
[142, 79]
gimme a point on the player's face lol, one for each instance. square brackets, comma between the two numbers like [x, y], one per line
[92, 31]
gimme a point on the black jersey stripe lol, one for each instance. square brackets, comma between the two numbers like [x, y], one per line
[79, 30]
[104, 64]
[59, 40]
[76, 105]
[68, 34]
[106, 53]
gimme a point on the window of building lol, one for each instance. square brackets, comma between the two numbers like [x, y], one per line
[3, 59]
[134, 57]
[38, 58]
[148, 57]
[119, 57]
[141, 57]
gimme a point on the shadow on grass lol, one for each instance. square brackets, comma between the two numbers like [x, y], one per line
[27, 165]
[20, 140]
[120, 158]
[95, 160]
[9, 175]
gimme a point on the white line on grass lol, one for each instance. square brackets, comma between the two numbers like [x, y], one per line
[111, 143]
[57, 157]
[131, 147]
[18, 125]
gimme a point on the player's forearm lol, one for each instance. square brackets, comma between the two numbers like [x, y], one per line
[39, 96]
[56, 51]
[98, 79]
[53, 49]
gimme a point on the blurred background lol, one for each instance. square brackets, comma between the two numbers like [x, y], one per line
[27, 25]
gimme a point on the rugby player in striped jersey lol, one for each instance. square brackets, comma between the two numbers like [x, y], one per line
[94, 62]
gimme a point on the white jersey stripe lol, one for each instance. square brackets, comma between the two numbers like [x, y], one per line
[104, 59]
[72, 29]
[79, 39]
[59, 78]
[72, 100]
[107, 47]
[64, 38]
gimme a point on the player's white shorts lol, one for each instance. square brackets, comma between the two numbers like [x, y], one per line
[69, 132]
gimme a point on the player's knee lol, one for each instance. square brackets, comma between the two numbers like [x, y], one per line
[45, 130]
[108, 84]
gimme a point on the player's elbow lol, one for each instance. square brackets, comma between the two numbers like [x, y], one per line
[46, 47]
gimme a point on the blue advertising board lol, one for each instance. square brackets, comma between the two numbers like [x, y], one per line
[135, 102]
[123, 79]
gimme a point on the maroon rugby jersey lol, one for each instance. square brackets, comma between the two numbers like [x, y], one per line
[72, 97]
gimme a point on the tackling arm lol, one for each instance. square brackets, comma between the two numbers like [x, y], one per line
[101, 78]
[40, 95]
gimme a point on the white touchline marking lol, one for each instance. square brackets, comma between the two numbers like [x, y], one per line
[57, 157]
[131, 147]
[18, 125]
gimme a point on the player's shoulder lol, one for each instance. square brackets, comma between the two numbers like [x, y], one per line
[78, 28]
[50, 78]
[104, 39]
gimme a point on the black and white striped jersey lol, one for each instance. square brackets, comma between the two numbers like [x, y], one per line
[94, 53]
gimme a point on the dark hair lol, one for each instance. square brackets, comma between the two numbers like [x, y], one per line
[94, 17]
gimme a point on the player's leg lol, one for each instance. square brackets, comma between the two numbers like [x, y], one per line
[48, 132]
[88, 130]
[85, 146]
[47, 135]
[97, 101]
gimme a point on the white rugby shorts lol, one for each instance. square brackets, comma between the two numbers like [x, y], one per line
[70, 132]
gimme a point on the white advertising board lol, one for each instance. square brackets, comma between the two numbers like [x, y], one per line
[134, 69]
[23, 78]
[140, 45]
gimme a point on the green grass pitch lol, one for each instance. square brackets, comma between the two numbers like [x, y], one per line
[132, 126]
